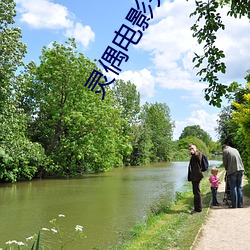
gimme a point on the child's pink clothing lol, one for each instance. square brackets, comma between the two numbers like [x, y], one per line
[214, 181]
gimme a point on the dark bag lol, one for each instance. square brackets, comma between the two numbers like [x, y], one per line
[204, 163]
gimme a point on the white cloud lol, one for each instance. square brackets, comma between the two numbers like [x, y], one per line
[207, 122]
[44, 14]
[143, 80]
[169, 41]
[83, 34]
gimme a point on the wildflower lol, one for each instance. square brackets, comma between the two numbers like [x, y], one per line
[61, 215]
[45, 229]
[29, 238]
[20, 243]
[54, 230]
[78, 228]
[10, 242]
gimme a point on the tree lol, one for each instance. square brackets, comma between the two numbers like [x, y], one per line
[155, 119]
[19, 157]
[208, 23]
[78, 130]
[201, 146]
[12, 50]
[227, 127]
[196, 131]
[242, 117]
[128, 101]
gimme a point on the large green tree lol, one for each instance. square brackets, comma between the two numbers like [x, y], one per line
[196, 131]
[210, 63]
[128, 100]
[19, 158]
[158, 126]
[78, 130]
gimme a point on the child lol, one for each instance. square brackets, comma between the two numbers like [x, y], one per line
[214, 185]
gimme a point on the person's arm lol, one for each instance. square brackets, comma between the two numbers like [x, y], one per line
[224, 159]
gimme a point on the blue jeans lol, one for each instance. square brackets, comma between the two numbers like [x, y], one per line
[214, 196]
[235, 182]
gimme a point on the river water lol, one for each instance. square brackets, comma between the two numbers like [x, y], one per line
[104, 204]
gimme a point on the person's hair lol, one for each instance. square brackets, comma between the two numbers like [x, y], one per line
[191, 144]
[214, 170]
[224, 146]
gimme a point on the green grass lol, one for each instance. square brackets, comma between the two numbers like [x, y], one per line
[170, 226]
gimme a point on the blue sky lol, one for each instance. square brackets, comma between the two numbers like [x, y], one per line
[160, 65]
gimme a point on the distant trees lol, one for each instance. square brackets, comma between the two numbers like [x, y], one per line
[197, 132]
[156, 120]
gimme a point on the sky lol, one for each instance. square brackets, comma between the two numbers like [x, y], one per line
[159, 59]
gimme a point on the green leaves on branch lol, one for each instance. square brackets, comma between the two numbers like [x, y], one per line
[211, 61]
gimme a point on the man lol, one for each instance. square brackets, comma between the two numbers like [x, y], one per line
[235, 170]
[195, 175]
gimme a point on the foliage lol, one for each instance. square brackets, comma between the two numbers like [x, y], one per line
[233, 123]
[241, 115]
[156, 121]
[12, 50]
[227, 127]
[78, 130]
[205, 28]
[196, 131]
[128, 100]
[20, 158]
[201, 146]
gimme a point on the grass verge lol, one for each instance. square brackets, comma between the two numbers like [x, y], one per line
[170, 226]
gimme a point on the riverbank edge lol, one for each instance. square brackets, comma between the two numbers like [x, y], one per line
[171, 226]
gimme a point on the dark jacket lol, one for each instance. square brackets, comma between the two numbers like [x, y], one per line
[194, 168]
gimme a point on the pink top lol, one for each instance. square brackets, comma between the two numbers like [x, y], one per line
[214, 181]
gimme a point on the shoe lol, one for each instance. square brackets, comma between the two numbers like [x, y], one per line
[231, 207]
[194, 212]
[217, 204]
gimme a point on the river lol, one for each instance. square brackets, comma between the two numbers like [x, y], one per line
[104, 204]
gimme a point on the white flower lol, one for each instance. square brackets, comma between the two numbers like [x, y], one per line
[61, 215]
[10, 242]
[78, 228]
[29, 238]
[54, 230]
[20, 243]
[45, 229]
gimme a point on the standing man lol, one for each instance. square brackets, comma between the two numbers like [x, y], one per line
[195, 175]
[235, 170]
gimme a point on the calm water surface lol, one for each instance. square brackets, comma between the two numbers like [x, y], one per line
[104, 204]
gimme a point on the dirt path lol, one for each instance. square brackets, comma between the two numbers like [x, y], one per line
[225, 228]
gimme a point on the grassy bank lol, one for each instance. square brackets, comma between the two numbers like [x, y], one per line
[170, 227]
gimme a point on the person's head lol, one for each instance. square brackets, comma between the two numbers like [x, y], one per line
[192, 148]
[214, 171]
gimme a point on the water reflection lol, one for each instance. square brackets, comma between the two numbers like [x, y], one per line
[105, 204]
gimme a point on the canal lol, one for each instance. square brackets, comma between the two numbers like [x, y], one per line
[106, 204]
